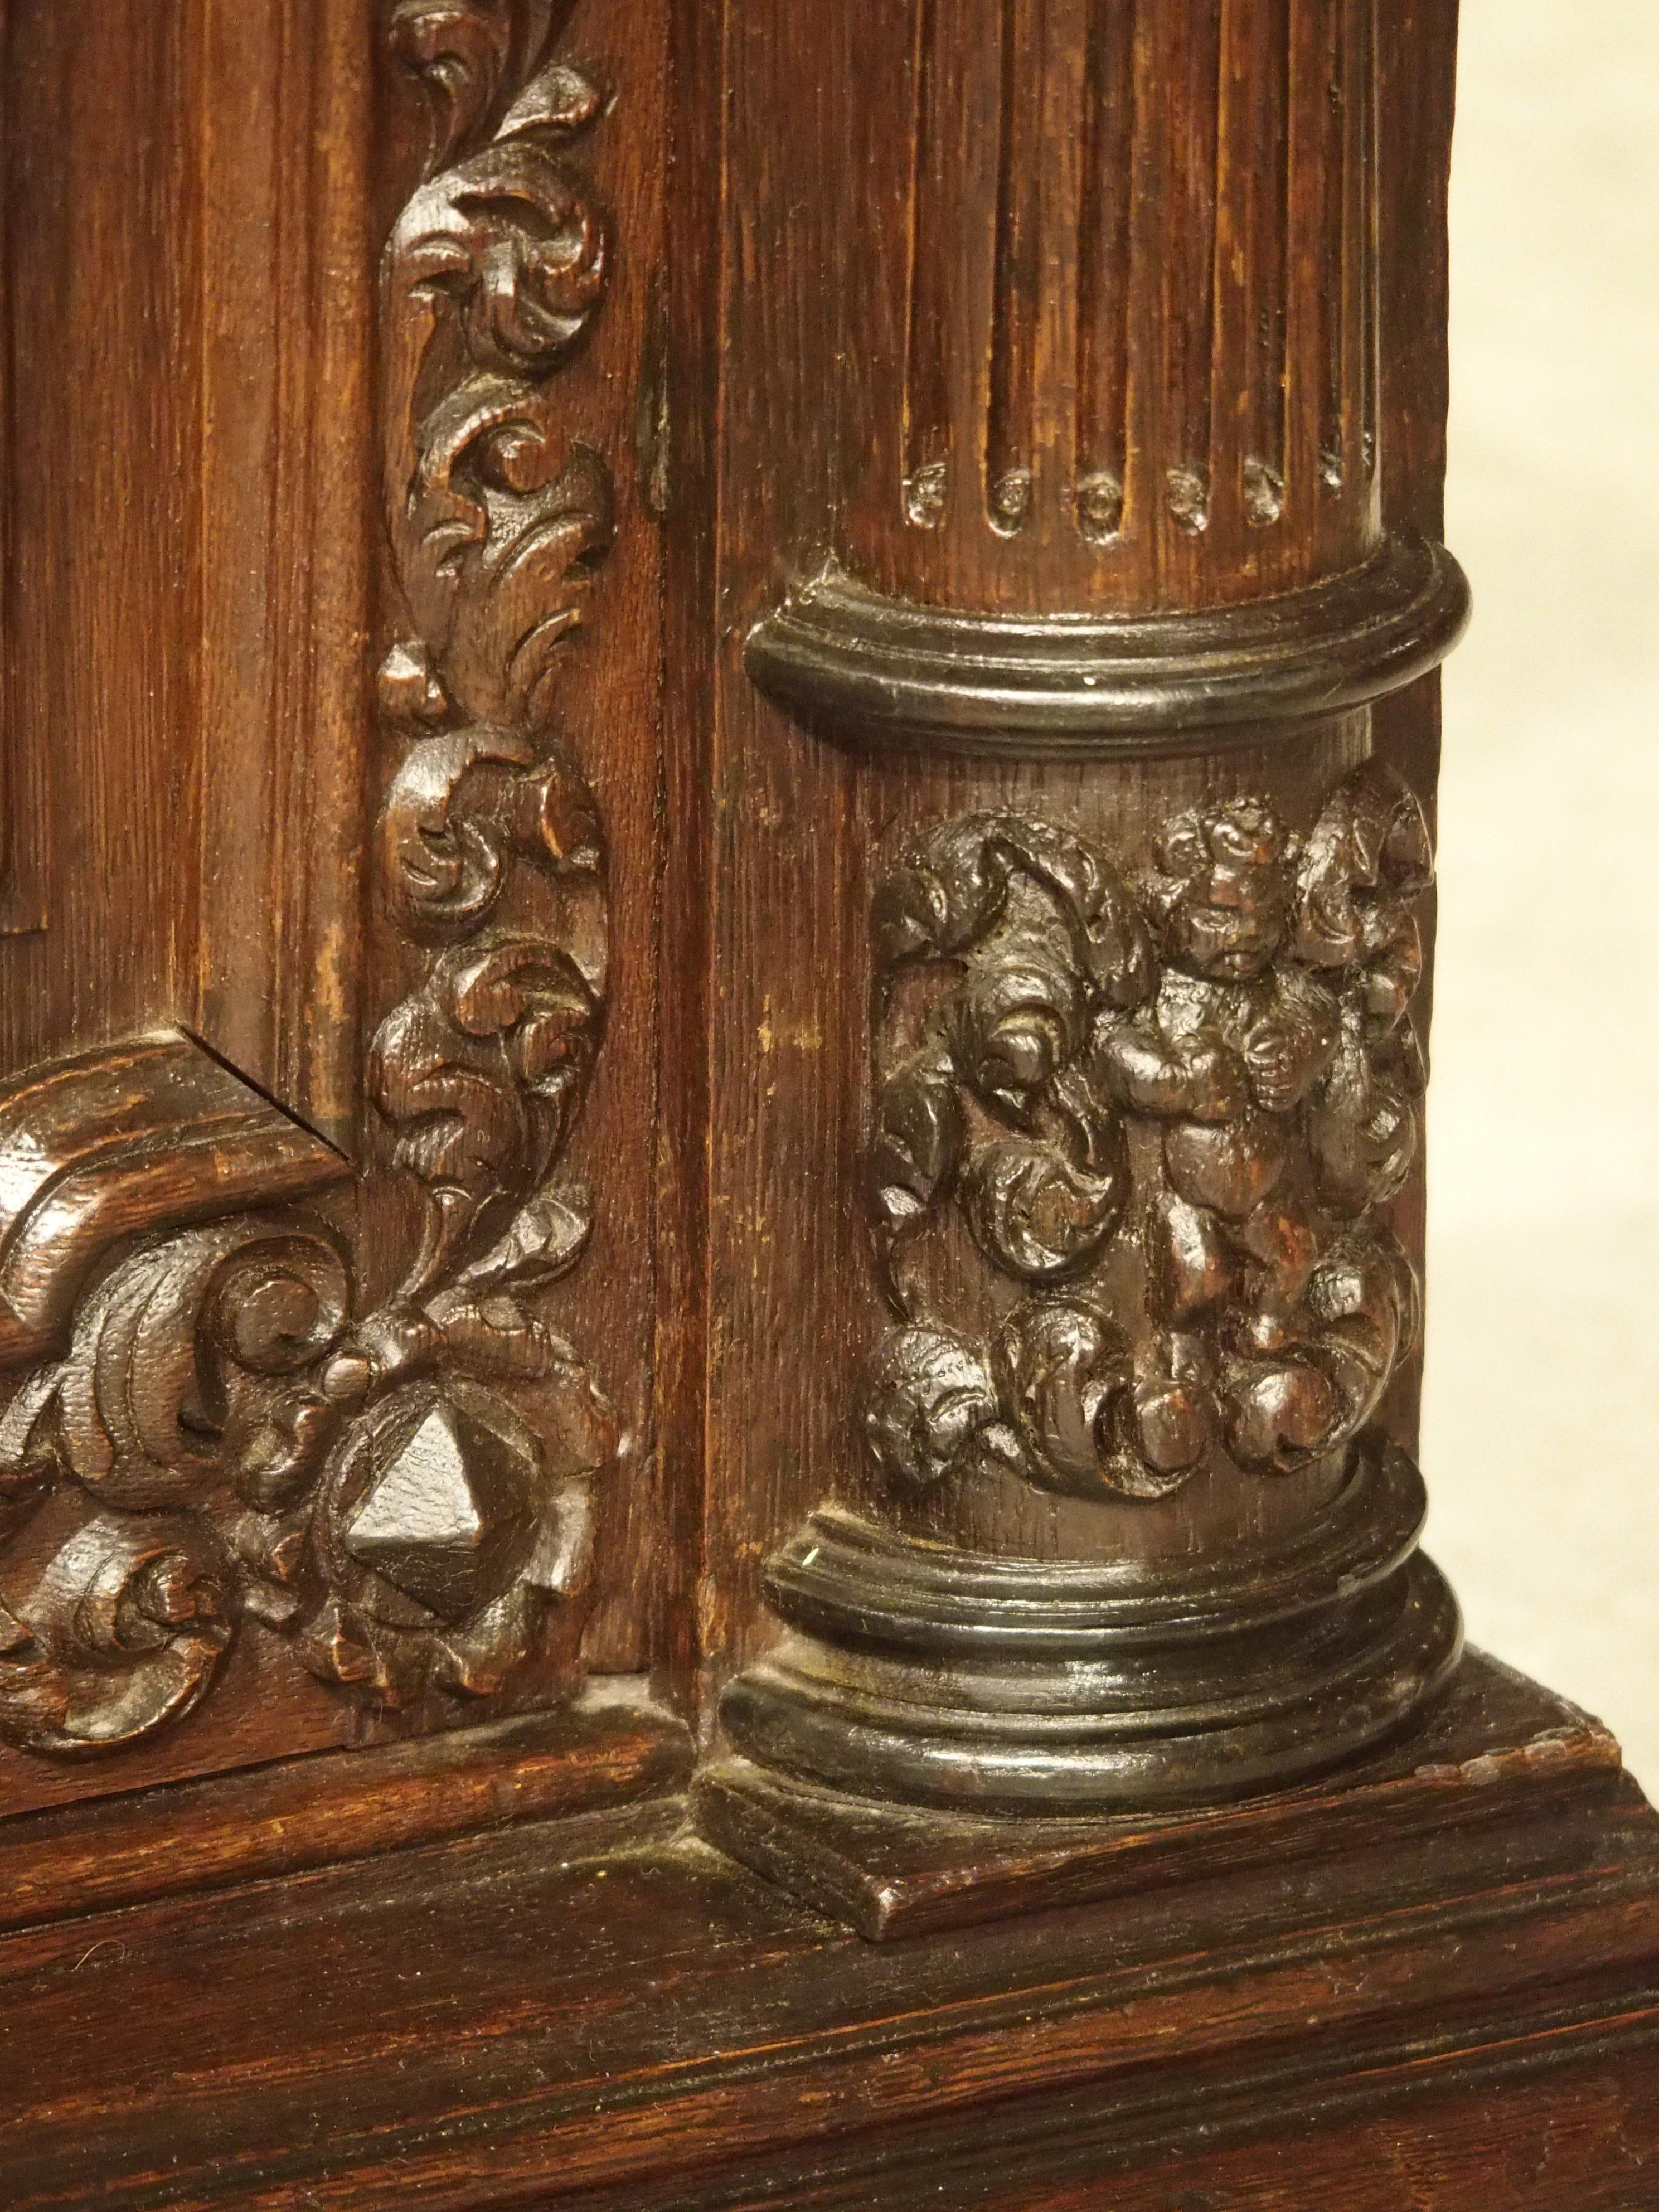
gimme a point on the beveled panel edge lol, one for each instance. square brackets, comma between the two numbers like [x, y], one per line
[154, 1132]
[885, 677]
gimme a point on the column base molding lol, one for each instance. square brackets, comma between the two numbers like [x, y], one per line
[921, 1673]
[1499, 1751]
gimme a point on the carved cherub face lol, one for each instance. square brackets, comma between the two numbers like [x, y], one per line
[1221, 889]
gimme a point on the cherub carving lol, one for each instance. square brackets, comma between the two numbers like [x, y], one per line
[1260, 1037]
[1223, 1053]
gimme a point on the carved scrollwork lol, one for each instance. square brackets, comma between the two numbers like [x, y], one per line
[400, 1492]
[124, 1630]
[1170, 1113]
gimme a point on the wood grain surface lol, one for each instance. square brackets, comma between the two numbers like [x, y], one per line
[603, 2012]
[651, 655]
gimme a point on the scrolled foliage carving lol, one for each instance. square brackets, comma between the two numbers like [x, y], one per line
[399, 1489]
[1135, 1141]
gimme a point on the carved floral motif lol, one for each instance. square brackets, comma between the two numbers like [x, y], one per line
[401, 1493]
[1135, 1141]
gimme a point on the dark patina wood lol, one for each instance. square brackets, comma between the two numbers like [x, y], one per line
[602, 2013]
[1098, 593]
[717, 901]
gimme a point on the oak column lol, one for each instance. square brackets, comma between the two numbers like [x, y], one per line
[1114, 1507]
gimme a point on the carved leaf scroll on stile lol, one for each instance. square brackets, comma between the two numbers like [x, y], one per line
[1170, 1112]
[403, 1493]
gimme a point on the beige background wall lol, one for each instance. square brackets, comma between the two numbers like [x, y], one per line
[1542, 1424]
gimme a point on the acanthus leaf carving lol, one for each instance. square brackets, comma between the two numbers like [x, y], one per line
[124, 1631]
[1171, 1111]
[400, 1492]
[475, 58]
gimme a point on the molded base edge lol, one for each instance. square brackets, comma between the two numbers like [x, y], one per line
[1498, 1747]
[1433, 1987]
[324, 1807]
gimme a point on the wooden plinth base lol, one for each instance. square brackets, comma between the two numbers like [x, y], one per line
[1431, 1988]
[1497, 1749]
[302, 1813]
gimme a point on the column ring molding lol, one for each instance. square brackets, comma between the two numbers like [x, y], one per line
[887, 676]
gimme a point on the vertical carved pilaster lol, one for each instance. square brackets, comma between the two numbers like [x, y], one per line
[360, 1435]
[1108, 597]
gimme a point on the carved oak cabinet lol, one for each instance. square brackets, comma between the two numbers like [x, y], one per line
[717, 760]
